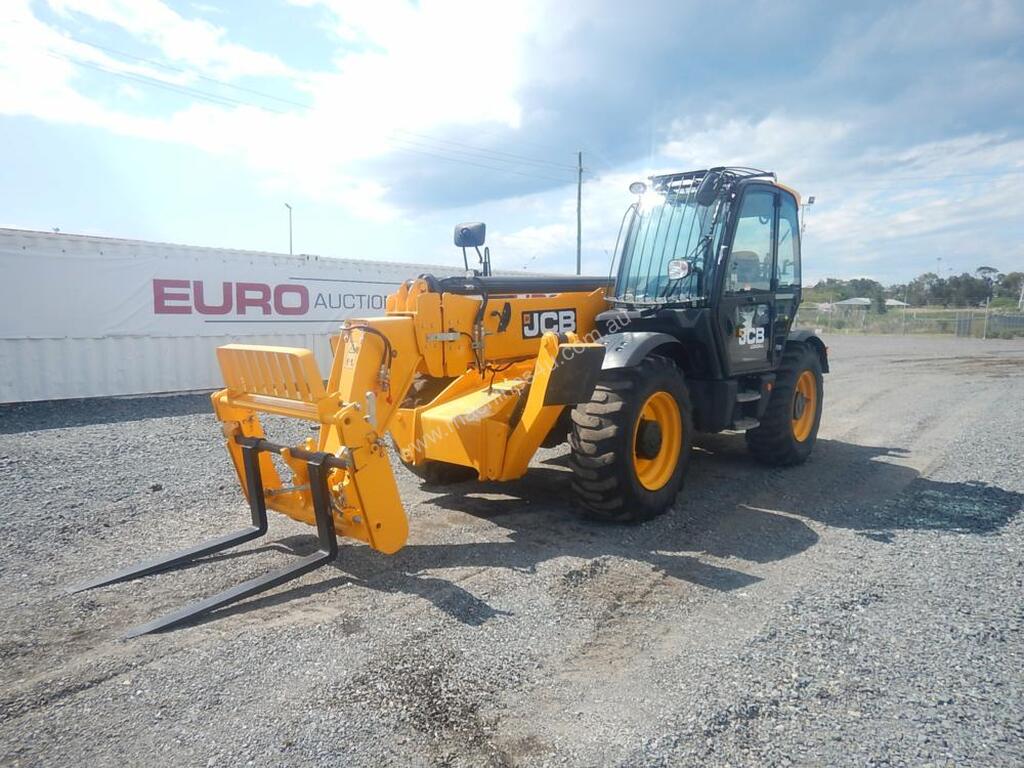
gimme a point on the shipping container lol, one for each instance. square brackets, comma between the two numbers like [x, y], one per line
[84, 316]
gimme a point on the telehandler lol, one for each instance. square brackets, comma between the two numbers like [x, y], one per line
[467, 376]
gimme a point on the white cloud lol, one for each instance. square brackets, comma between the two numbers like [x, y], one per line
[417, 67]
[927, 27]
[434, 63]
[534, 247]
[207, 8]
[129, 92]
[402, 70]
[194, 42]
[791, 146]
[918, 201]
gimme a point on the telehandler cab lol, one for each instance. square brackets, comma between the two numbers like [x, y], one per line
[468, 376]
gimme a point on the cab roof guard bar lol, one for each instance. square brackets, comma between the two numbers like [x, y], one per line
[731, 174]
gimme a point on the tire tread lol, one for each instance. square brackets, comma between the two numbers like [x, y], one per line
[601, 481]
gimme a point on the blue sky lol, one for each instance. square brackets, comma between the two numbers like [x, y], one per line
[385, 123]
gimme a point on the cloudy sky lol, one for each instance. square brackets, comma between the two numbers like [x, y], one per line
[384, 123]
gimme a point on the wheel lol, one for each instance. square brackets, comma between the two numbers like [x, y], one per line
[422, 391]
[631, 443]
[789, 426]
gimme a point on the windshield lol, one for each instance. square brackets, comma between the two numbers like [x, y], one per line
[663, 227]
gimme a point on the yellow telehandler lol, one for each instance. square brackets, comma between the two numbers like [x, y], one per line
[468, 376]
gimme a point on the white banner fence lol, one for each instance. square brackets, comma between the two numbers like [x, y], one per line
[86, 316]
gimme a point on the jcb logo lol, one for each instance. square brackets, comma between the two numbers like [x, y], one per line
[750, 336]
[557, 320]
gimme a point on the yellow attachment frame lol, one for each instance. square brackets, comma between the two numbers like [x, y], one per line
[506, 392]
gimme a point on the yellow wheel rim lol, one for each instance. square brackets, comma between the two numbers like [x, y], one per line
[657, 441]
[805, 406]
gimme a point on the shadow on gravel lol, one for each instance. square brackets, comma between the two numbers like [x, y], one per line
[859, 487]
[64, 414]
[747, 511]
[541, 526]
[363, 567]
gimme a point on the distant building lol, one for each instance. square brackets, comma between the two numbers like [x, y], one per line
[855, 303]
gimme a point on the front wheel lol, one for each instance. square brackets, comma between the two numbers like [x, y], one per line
[631, 443]
[790, 423]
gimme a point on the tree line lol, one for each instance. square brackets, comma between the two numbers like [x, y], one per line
[929, 289]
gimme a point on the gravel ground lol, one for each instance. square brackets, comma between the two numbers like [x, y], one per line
[863, 609]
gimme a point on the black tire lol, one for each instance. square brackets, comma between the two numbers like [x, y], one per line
[422, 391]
[602, 441]
[774, 442]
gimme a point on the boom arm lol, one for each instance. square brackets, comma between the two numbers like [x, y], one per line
[509, 384]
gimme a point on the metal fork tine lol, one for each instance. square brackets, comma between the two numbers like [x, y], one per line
[233, 595]
[170, 561]
[257, 507]
[327, 551]
[319, 465]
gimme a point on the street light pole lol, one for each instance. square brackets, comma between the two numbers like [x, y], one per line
[803, 214]
[289, 207]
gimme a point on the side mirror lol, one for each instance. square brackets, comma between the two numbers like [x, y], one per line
[707, 190]
[470, 234]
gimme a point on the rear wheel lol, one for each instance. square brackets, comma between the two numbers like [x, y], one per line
[631, 443]
[789, 427]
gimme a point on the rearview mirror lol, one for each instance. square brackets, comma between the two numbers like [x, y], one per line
[707, 190]
[470, 234]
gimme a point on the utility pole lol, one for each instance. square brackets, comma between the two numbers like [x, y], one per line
[289, 207]
[579, 213]
[1020, 301]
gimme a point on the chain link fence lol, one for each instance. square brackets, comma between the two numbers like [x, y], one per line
[970, 322]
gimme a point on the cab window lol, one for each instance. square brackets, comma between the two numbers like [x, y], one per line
[750, 264]
[787, 268]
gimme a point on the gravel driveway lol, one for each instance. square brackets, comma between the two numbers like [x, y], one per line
[863, 609]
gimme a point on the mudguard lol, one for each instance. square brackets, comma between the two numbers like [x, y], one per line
[805, 336]
[628, 348]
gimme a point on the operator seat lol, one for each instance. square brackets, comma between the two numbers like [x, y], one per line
[746, 267]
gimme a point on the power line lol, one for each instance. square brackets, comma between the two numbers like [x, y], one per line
[526, 142]
[480, 165]
[488, 153]
[405, 145]
[423, 142]
[521, 158]
[157, 83]
[181, 70]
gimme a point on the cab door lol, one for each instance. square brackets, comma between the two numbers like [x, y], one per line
[746, 310]
[787, 268]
